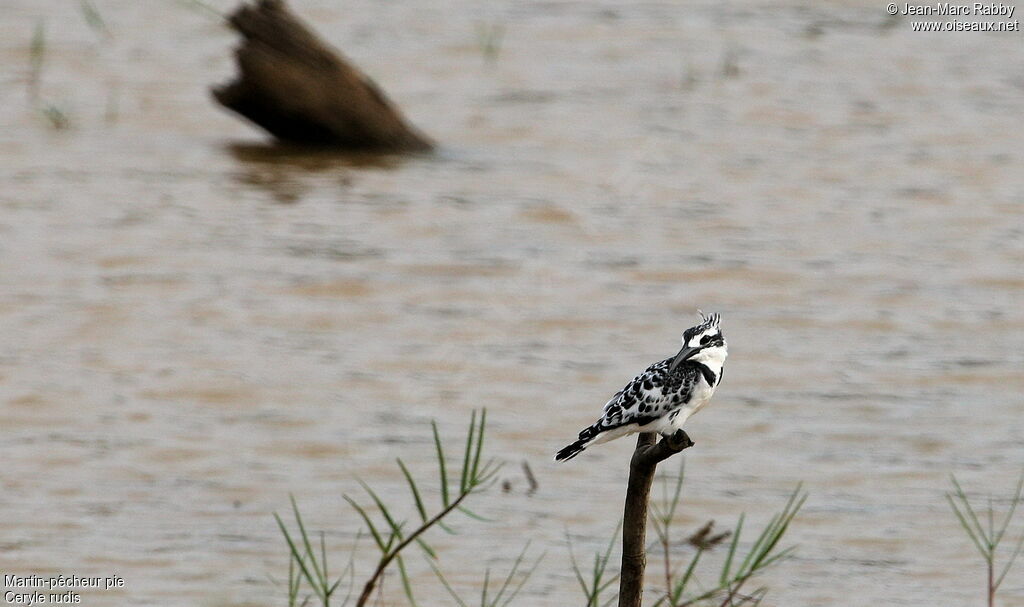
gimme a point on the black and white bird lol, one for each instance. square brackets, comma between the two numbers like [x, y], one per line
[666, 394]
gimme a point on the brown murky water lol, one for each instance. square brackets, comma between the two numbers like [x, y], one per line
[196, 324]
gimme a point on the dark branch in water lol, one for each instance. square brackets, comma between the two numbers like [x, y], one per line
[646, 457]
[300, 90]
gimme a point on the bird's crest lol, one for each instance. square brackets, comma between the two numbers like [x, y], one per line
[709, 321]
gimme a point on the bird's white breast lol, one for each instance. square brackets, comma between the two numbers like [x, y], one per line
[700, 396]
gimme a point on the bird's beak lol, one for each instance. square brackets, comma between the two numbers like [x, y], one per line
[685, 353]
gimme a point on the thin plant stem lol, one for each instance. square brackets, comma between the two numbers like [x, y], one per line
[391, 554]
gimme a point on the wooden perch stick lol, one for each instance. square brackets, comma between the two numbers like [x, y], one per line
[644, 462]
[302, 91]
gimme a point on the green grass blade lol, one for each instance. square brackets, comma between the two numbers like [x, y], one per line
[474, 515]
[778, 556]
[608, 583]
[406, 586]
[396, 527]
[793, 505]
[659, 525]
[1018, 494]
[350, 568]
[972, 517]
[447, 586]
[680, 587]
[664, 494]
[374, 533]
[704, 595]
[967, 527]
[487, 475]
[679, 488]
[727, 565]
[757, 548]
[415, 491]
[523, 579]
[754, 598]
[597, 570]
[991, 518]
[772, 533]
[601, 566]
[294, 582]
[788, 513]
[591, 590]
[611, 542]
[296, 555]
[426, 548]
[440, 462]
[321, 578]
[328, 590]
[1009, 563]
[576, 569]
[477, 480]
[483, 592]
[464, 478]
[512, 572]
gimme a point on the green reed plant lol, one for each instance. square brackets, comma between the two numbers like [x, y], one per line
[737, 569]
[988, 535]
[392, 535]
[594, 582]
[294, 584]
[682, 588]
[309, 565]
[764, 553]
[662, 515]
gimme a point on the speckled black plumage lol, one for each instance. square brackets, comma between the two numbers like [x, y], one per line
[649, 396]
[666, 394]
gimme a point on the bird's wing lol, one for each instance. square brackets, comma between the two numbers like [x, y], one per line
[650, 395]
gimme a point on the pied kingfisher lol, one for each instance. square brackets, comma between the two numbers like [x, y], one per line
[667, 393]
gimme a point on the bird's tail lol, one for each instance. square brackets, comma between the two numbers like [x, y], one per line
[572, 450]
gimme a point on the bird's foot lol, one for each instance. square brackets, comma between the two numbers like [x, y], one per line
[679, 440]
[649, 454]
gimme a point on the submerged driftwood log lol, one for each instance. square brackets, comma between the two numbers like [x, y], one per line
[302, 91]
[646, 457]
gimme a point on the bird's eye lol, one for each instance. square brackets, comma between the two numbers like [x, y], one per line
[704, 340]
